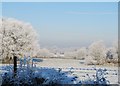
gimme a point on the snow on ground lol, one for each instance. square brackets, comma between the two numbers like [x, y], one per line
[79, 69]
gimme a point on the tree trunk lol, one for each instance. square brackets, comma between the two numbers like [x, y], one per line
[15, 65]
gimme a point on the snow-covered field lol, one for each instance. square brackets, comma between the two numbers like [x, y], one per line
[80, 69]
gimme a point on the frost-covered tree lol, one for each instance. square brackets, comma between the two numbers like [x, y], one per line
[17, 38]
[0, 39]
[98, 51]
[90, 61]
[111, 55]
[81, 53]
[45, 53]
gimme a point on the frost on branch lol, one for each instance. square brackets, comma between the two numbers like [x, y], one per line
[17, 38]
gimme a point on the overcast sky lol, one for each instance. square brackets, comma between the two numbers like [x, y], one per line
[68, 24]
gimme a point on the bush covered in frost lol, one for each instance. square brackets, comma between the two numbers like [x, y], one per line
[97, 79]
[30, 75]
